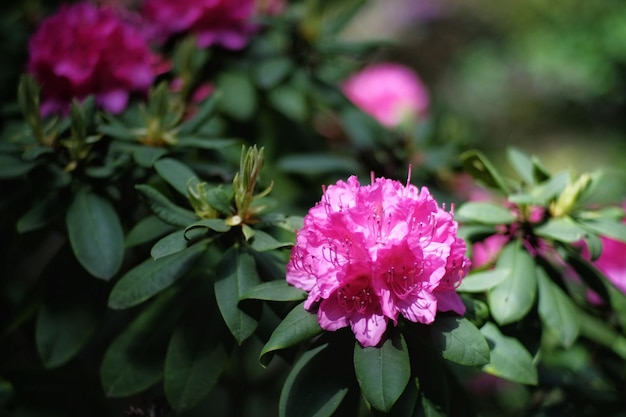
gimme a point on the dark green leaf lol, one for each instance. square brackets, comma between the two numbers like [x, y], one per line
[311, 163]
[237, 274]
[177, 174]
[509, 358]
[95, 233]
[361, 127]
[134, 361]
[168, 245]
[308, 391]
[298, 326]
[238, 99]
[459, 341]
[41, 214]
[194, 362]
[602, 333]
[216, 225]
[482, 281]
[146, 230]
[563, 229]
[557, 311]
[165, 209]
[272, 71]
[62, 330]
[383, 372]
[152, 277]
[262, 242]
[486, 213]
[206, 110]
[206, 143]
[514, 296]
[12, 167]
[588, 273]
[277, 290]
[478, 166]
[146, 156]
[290, 101]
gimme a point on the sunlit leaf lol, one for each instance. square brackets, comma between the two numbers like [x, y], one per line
[459, 341]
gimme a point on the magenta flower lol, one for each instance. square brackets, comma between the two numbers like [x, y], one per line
[214, 22]
[369, 254]
[611, 262]
[84, 50]
[391, 93]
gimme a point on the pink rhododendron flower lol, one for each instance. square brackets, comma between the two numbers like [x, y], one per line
[389, 92]
[87, 50]
[612, 261]
[368, 254]
[213, 22]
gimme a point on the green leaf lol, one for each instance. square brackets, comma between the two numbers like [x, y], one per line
[206, 143]
[290, 101]
[604, 227]
[459, 341]
[298, 326]
[216, 225]
[509, 358]
[12, 167]
[237, 274]
[177, 174]
[263, 242]
[153, 276]
[165, 209]
[146, 230]
[95, 233]
[486, 213]
[206, 110]
[478, 166]
[360, 127]
[146, 156]
[311, 388]
[269, 72]
[483, 280]
[602, 333]
[548, 190]
[277, 290]
[238, 99]
[62, 330]
[514, 296]
[522, 163]
[383, 372]
[41, 214]
[587, 272]
[563, 229]
[194, 362]
[168, 245]
[134, 361]
[556, 310]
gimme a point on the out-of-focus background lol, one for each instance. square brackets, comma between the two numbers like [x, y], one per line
[546, 76]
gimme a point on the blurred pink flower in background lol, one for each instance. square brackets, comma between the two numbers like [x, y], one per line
[389, 92]
[368, 254]
[612, 261]
[214, 22]
[87, 50]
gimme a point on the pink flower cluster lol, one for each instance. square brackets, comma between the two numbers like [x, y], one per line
[389, 92]
[215, 22]
[368, 254]
[85, 50]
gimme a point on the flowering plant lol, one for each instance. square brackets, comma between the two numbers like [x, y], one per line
[166, 252]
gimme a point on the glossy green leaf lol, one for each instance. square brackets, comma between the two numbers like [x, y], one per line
[277, 290]
[563, 229]
[509, 358]
[62, 330]
[95, 233]
[522, 163]
[236, 276]
[262, 242]
[168, 245]
[216, 225]
[308, 390]
[556, 310]
[383, 372]
[12, 167]
[483, 280]
[153, 276]
[478, 166]
[604, 227]
[194, 362]
[514, 296]
[147, 230]
[134, 361]
[459, 341]
[165, 209]
[486, 213]
[176, 173]
[298, 326]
